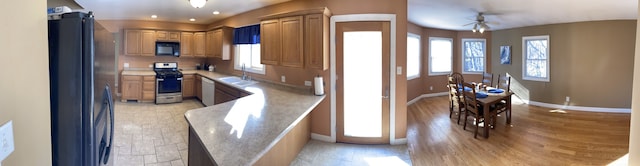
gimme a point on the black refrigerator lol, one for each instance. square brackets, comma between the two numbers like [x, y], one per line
[81, 71]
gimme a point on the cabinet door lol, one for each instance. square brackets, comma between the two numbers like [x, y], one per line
[217, 43]
[162, 35]
[316, 49]
[174, 36]
[188, 86]
[208, 45]
[131, 87]
[148, 43]
[269, 42]
[292, 41]
[186, 44]
[148, 88]
[198, 44]
[198, 88]
[132, 42]
[221, 97]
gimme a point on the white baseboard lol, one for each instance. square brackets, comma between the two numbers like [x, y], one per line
[578, 108]
[427, 95]
[321, 137]
[399, 141]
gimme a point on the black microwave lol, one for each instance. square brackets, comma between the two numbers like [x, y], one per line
[168, 49]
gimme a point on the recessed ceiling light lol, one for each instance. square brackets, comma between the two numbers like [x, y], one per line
[216, 12]
[154, 16]
[192, 19]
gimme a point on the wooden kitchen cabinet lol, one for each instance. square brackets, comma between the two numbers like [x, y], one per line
[186, 44]
[270, 42]
[292, 33]
[208, 44]
[225, 93]
[198, 87]
[188, 84]
[221, 42]
[149, 88]
[316, 44]
[296, 39]
[131, 88]
[168, 36]
[140, 42]
[199, 40]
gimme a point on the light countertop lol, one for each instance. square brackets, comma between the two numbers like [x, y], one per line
[139, 72]
[241, 131]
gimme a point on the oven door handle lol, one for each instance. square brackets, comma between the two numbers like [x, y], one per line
[160, 79]
[179, 79]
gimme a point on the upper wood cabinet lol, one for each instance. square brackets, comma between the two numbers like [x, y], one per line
[270, 42]
[140, 42]
[186, 44]
[296, 39]
[199, 44]
[316, 45]
[219, 43]
[168, 36]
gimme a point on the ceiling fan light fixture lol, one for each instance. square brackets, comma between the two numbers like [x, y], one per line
[197, 3]
[475, 28]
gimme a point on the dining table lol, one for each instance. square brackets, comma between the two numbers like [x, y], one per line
[492, 99]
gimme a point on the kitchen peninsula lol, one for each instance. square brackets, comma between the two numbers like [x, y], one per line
[268, 127]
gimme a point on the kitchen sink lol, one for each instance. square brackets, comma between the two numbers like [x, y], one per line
[237, 81]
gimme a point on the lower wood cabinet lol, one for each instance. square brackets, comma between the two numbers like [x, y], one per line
[188, 85]
[141, 88]
[225, 93]
[198, 87]
[131, 88]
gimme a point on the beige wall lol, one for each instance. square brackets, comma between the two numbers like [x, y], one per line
[321, 116]
[591, 62]
[25, 87]
[422, 85]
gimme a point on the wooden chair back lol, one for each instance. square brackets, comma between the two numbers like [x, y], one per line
[470, 103]
[487, 79]
[504, 82]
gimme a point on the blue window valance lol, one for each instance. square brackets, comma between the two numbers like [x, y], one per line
[247, 35]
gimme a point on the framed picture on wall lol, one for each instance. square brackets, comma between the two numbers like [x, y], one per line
[505, 54]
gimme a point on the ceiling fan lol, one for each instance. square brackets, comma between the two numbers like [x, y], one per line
[479, 24]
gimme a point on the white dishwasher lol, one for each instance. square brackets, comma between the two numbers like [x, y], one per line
[208, 91]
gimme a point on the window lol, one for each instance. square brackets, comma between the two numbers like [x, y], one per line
[440, 55]
[413, 56]
[473, 53]
[535, 58]
[249, 55]
[246, 41]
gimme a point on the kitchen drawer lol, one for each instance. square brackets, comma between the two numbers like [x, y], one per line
[132, 78]
[189, 76]
[148, 95]
[149, 78]
[149, 86]
[229, 90]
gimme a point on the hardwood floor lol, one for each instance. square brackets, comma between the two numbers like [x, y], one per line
[536, 136]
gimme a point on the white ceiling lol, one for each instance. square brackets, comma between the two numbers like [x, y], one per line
[453, 14]
[170, 10]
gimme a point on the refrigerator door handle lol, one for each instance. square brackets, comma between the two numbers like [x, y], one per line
[109, 101]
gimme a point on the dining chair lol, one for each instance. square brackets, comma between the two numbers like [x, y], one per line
[472, 106]
[487, 79]
[455, 96]
[504, 82]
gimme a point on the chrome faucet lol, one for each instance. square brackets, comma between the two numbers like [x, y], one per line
[244, 73]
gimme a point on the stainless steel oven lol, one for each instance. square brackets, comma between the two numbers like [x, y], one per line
[168, 83]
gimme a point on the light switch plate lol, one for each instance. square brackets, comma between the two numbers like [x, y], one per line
[6, 140]
[126, 64]
[307, 83]
[283, 78]
[399, 70]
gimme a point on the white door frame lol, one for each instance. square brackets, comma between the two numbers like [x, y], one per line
[392, 65]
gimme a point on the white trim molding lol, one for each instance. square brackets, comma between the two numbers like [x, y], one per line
[321, 137]
[578, 108]
[392, 104]
[399, 141]
[414, 100]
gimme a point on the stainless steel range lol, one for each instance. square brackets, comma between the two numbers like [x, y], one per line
[168, 83]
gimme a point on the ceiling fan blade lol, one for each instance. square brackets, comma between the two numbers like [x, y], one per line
[468, 24]
[492, 23]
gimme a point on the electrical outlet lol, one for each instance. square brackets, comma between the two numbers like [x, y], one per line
[399, 70]
[567, 99]
[307, 83]
[126, 64]
[151, 66]
[283, 79]
[6, 140]
[431, 88]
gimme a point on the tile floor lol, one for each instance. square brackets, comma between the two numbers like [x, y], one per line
[147, 134]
